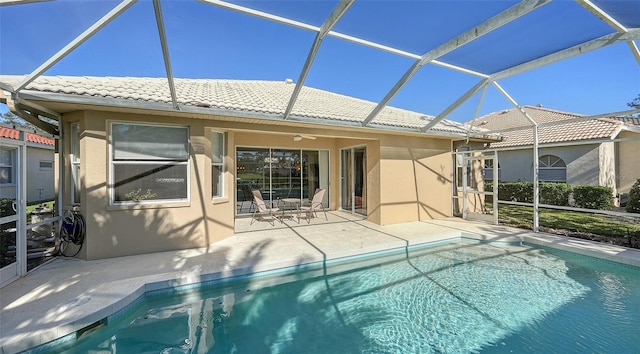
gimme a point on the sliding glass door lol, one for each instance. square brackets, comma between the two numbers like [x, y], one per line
[353, 162]
[278, 174]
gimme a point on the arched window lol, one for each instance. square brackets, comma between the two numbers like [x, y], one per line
[488, 170]
[552, 169]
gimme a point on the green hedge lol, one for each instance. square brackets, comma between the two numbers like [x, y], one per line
[555, 193]
[633, 204]
[593, 197]
[550, 193]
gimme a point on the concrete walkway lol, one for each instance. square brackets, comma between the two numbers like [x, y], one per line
[66, 295]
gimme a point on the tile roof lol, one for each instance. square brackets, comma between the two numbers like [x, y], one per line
[570, 131]
[30, 137]
[266, 97]
[632, 121]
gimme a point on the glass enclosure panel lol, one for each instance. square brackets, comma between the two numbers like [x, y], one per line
[360, 180]
[253, 172]
[346, 183]
[278, 174]
[354, 180]
[286, 172]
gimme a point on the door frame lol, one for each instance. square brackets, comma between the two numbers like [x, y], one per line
[16, 270]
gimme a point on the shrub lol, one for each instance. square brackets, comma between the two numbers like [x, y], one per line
[633, 204]
[555, 193]
[593, 197]
[516, 191]
[550, 192]
[6, 207]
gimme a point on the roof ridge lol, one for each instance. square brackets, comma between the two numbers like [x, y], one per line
[554, 110]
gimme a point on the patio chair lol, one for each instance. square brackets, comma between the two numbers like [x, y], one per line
[247, 196]
[261, 209]
[308, 212]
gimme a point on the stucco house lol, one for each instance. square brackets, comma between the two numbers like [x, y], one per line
[150, 176]
[40, 166]
[599, 151]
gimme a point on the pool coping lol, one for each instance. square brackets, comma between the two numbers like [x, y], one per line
[36, 339]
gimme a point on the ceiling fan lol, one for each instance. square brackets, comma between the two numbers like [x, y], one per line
[299, 137]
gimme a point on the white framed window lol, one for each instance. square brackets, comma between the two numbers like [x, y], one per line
[218, 151]
[149, 163]
[552, 169]
[74, 156]
[7, 163]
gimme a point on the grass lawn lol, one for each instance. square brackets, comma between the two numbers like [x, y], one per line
[595, 226]
[48, 204]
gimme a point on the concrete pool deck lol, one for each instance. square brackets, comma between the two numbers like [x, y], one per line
[66, 295]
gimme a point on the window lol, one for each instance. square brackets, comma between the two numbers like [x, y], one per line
[488, 170]
[149, 163]
[75, 163]
[46, 165]
[552, 169]
[7, 160]
[217, 164]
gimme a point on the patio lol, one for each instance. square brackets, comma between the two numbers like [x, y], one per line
[66, 295]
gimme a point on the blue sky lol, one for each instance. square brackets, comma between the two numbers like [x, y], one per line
[206, 41]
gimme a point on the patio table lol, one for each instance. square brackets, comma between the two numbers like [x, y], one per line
[292, 203]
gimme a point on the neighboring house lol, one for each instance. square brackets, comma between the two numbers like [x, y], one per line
[590, 156]
[150, 177]
[40, 167]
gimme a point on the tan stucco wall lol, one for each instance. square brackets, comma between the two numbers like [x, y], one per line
[607, 162]
[126, 230]
[415, 179]
[628, 161]
[408, 179]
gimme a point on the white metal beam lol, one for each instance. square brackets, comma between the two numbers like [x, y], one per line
[485, 27]
[475, 114]
[346, 37]
[536, 167]
[97, 26]
[608, 19]
[472, 91]
[333, 18]
[515, 104]
[19, 2]
[567, 53]
[165, 52]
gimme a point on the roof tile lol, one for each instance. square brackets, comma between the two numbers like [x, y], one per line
[571, 131]
[268, 97]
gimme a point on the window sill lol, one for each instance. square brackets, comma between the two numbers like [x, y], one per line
[219, 200]
[149, 206]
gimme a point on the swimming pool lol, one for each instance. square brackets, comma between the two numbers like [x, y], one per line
[461, 297]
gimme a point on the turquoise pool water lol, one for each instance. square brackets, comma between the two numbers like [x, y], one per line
[459, 297]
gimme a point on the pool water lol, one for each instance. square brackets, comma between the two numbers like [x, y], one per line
[460, 297]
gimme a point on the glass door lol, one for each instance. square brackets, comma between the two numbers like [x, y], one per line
[279, 174]
[354, 180]
[12, 251]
